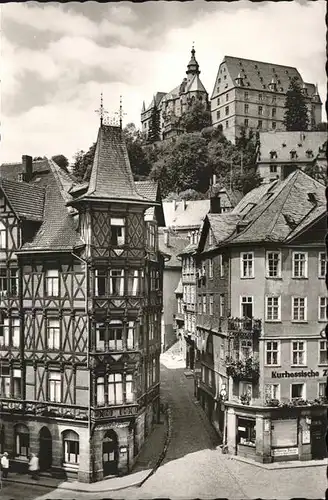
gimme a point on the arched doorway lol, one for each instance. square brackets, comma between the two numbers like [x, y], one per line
[110, 453]
[45, 450]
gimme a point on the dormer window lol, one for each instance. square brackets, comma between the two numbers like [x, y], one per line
[293, 154]
[283, 144]
[273, 155]
[309, 153]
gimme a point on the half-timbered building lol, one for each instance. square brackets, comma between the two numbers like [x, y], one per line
[80, 308]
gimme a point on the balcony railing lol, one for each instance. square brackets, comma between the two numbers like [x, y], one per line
[244, 325]
[248, 369]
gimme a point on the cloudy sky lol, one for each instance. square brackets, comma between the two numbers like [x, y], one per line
[58, 58]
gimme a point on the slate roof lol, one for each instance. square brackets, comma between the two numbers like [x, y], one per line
[148, 189]
[285, 210]
[27, 201]
[190, 249]
[195, 84]
[223, 225]
[157, 98]
[50, 184]
[185, 214]
[252, 71]
[176, 245]
[111, 176]
[284, 142]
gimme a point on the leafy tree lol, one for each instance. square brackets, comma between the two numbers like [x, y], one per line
[36, 158]
[196, 117]
[83, 163]
[138, 157]
[182, 164]
[296, 115]
[192, 194]
[154, 126]
[61, 161]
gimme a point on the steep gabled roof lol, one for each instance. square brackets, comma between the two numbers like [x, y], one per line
[27, 201]
[293, 203]
[190, 249]
[175, 247]
[284, 142]
[111, 176]
[195, 84]
[11, 170]
[179, 288]
[150, 189]
[185, 214]
[223, 225]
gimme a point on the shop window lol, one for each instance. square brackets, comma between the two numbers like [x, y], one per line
[284, 433]
[71, 447]
[246, 434]
[117, 227]
[22, 441]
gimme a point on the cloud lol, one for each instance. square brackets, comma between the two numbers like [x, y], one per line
[57, 58]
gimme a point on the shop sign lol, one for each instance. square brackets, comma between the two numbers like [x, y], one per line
[303, 374]
[281, 452]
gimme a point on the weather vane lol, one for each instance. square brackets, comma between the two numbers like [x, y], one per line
[120, 113]
[101, 111]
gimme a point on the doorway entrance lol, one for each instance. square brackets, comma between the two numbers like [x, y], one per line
[110, 453]
[318, 443]
[45, 450]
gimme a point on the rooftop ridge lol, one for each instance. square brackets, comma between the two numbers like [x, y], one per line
[261, 62]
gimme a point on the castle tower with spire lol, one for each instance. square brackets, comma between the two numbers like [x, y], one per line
[172, 105]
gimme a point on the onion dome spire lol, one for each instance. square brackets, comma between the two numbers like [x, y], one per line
[193, 66]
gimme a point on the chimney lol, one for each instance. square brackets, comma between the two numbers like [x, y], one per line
[166, 238]
[27, 165]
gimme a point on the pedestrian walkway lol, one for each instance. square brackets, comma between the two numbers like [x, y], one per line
[146, 462]
[293, 464]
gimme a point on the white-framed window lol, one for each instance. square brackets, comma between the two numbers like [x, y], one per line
[272, 391]
[52, 282]
[210, 268]
[322, 308]
[323, 357]
[4, 330]
[5, 390]
[115, 335]
[246, 348]
[71, 443]
[246, 306]
[211, 308]
[272, 309]
[53, 334]
[204, 304]
[299, 308]
[15, 332]
[297, 391]
[13, 282]
[129, 396]
[100, 336]
[133, 282]
[22, 440]
[273, 264]
[100, 282]
[3, 236]
[299, 352]
[221, 311]
[247, 265]
[100, 388]
[322, 389]
[322, 264]
[151, 236]
[17, 383]
[3, 282]
[116, 282]
[300, 265]
[131, 334]
[55, 387]
[117, 228]
[115, 389]
[272, 352]
[221, 265]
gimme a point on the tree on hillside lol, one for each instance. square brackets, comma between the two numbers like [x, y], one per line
[37, 158]
[196, 117]
[83, 163]
[182, 164]
[61, 161]
[154, 133]
[135, 145]
[296, 115]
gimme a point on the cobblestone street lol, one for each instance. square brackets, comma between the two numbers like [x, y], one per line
[193, 466]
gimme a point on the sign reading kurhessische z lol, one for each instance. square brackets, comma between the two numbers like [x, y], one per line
[303, 374]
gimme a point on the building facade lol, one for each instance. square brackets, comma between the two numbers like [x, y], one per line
[251, 94]
[282, 152]
[262, 310]
[80, 312]
[172, 105]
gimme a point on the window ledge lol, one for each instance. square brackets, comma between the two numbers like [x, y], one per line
[300, 277]
[299, 321]
[299, 366]
[272, 366]
[272, 321]
[276, 278]
[247, 277]
[322, 364]
[323, 320]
